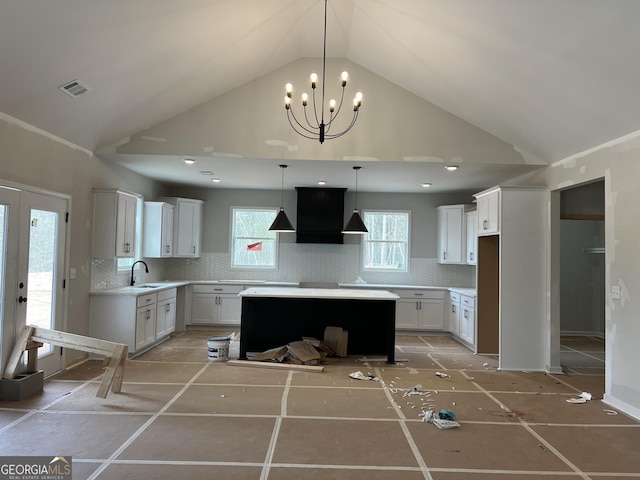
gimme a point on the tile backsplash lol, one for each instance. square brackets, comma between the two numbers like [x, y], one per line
[297, 263]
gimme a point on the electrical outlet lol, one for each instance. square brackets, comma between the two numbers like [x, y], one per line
[615, 291]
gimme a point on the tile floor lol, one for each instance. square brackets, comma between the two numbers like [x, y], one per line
[181, 416]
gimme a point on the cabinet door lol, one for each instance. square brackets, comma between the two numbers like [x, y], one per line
[489, 213]
[431, 314]
[166, 234]
[454, 318]
[188, 224]
[229, 308]
[467, 324]
[472, 238]
[165, 317]
[204, 308]
[451, 227]
[125, 225]
[407, 314]
[145, 326]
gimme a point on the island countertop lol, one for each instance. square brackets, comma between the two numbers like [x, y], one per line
[329, 293]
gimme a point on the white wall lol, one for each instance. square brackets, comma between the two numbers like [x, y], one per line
[619, 164]
[34, 158]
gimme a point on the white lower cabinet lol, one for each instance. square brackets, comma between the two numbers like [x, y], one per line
[139, 321]
[468, 319]
[166, 313]
[419, 309]
[215, 304]
[145, 326]
[454, 313]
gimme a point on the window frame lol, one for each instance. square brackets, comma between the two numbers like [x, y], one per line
[407, 242]
[232, 239]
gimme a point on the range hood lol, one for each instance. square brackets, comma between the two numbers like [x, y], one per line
[320, 215]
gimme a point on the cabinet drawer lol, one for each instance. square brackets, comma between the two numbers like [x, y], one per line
[418, 294]
[168, 293]
[217, 289]
[148, 299]
[468, 301]
[454, 297]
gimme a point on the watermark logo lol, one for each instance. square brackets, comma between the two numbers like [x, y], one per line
[35, 468]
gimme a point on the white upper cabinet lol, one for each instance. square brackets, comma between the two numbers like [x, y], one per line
[472, 237]
[489, 211]
[187, 226]
[157, 235]
[452, 234]
[114, 224]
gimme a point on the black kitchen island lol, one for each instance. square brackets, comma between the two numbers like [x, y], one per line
[273, 317]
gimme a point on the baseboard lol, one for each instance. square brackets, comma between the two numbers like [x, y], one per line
[622, 406]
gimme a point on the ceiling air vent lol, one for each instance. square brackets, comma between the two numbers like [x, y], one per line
[74, 88]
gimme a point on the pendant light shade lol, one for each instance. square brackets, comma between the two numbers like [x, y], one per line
[355, 224]
[282, 223]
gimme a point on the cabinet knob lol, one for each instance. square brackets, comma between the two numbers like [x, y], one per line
[485, 224]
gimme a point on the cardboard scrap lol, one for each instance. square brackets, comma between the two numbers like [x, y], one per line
[304, 352]
[277, 354]
[337, 338]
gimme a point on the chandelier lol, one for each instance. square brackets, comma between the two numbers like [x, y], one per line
[313, 126]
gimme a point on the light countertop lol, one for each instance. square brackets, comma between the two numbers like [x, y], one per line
[333, 293]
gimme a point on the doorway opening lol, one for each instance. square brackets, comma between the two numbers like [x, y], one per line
[582, 279]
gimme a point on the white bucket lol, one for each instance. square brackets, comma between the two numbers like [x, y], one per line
[218, 350]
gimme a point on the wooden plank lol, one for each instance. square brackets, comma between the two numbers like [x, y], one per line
[16, 354]
[273, 365]
[73, 341]
[116, 353]
[111, 371]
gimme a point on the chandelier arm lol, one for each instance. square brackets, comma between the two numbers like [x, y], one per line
[315, 111]
[353, 122]
[335, 114]
[324, 63]
[305, 133]
[331, 119]
[306, 117]
[311, 132]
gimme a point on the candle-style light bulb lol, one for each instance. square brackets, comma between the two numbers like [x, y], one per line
[287, 102]
[314, 79]
[305, 98]
[289, 89]
[344, 77]
[332, 105]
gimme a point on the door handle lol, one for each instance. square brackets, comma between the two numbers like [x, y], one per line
[22, 299]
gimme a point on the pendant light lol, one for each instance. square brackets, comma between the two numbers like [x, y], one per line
[282, 223]
[355, 223]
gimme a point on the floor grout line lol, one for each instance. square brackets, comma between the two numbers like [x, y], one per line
[266, 468]
[146, 424]
[405, 430]
[525, 425]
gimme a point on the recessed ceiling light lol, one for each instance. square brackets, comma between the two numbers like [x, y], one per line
[216, 180]
[451, 168]
[425, 184]
[206, 172]
[189, 161]
[322, 182]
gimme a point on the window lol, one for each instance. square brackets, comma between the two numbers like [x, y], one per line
[252, 244]
[123, 265]
[386, 246]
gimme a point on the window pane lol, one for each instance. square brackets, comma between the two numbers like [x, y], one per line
[386, 246]
[252, 244]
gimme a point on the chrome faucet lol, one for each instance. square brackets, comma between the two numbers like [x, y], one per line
[146, 269]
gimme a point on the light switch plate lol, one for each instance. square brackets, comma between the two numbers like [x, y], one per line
[615, 291]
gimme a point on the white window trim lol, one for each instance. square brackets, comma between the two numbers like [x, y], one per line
[406, 270]
[259, 268]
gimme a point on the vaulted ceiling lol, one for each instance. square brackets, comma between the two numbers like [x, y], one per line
[549, 78]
